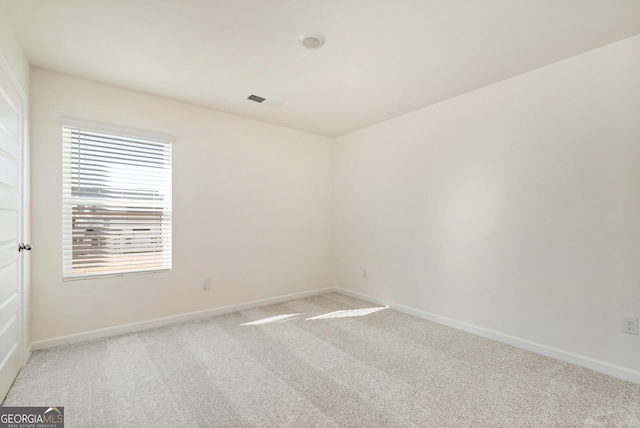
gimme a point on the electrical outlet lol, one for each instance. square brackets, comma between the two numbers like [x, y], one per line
[364, 273]
[629, 325]
[206, 284]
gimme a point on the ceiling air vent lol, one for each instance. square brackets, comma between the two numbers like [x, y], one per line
[264, 101]
[256, 98]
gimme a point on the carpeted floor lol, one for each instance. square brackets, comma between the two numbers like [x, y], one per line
[303, 364]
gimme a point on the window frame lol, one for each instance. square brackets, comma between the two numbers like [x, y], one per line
[69, 202]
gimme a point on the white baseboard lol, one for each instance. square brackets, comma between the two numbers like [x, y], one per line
[159, 322]
[599, 366]
[590, 363]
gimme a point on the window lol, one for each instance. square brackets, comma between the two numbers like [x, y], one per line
[116, 200]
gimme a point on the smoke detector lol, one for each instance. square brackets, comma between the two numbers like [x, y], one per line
[312, 40]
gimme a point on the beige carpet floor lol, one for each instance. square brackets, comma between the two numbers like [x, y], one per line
[324, 361]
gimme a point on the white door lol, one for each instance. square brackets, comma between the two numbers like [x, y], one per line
[10, 226]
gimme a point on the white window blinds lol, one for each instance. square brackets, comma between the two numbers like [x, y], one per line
[116, 202]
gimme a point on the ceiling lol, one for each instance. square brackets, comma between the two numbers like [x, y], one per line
[381, 59]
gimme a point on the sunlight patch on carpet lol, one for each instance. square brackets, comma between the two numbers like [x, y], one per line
[348, 313]
[277, 318]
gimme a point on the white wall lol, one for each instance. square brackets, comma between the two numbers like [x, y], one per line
[13, 56]
[514, 208]
[252, 210]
